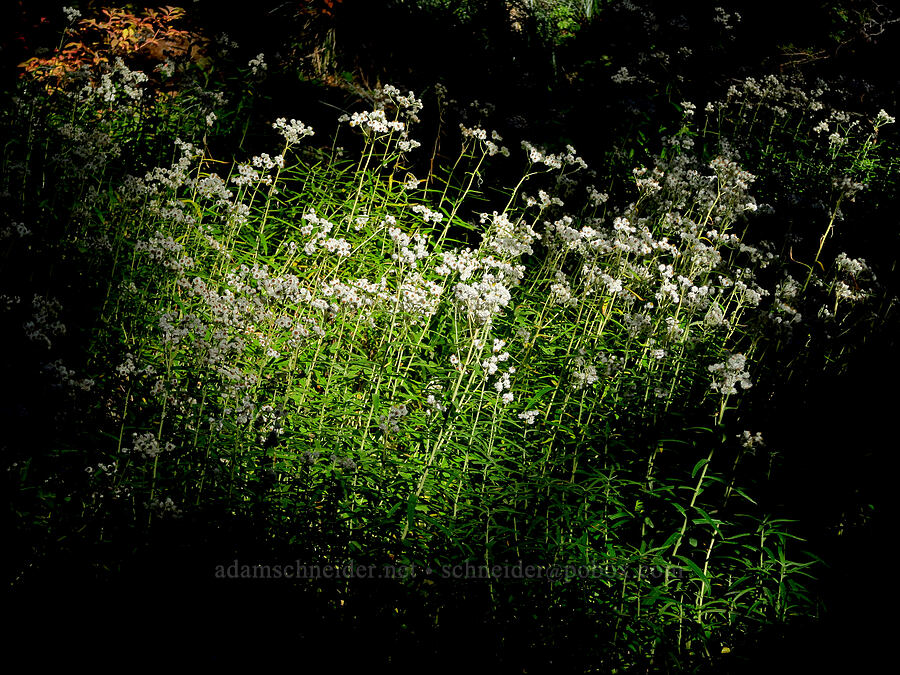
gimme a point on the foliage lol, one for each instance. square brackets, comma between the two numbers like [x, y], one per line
[553, 387]
[150, 38]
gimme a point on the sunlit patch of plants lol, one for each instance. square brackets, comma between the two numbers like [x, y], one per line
[436, 370]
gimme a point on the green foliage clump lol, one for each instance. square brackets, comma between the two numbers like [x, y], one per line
[550, 378]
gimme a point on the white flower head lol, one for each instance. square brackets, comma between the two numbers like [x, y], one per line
[529, 416]
[883, 118]
[258, 64]
[751, 441]
[730, 374]
[293, 131]
[72, 14]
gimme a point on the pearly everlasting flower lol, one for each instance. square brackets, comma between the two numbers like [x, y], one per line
[377, 121]
[536, 156]
[853, 267]
[883, 118]
[293, 131]
[433, 400]
[476, 133]
[340, 247]
[72, 14]
[503, 384]
[265, 162]
[529, 416]
[427, 214]
[715, 317]
[246, 175]
[561, 292]
[492, 364]
[66, 377]
[21, 230]
[596, 197]
[622, 76]
[419, 295]
[165, 508]
[148, 446]
[730, 374]
[506, 238]
[258, 64]
[483, 299]
[843, 291]
[751, 441]
[585, 373]
[127, 367]
[390, 423]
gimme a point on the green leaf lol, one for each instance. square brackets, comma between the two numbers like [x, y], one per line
[744, 495]
[706, 518]
[694, 568]
[698, 466]
[411, 510]
[538, 395]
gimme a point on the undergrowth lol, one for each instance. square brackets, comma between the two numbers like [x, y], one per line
[554, 388]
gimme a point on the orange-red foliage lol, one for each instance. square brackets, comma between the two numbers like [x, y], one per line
[149, 38]
[320, 6]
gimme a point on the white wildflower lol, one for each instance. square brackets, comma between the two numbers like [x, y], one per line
[258, 64]
[729, 374]
[530, 416]
[72, 14]
[293, 131]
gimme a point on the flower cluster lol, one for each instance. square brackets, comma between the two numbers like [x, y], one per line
[432, 400]
[338, 246]
[66, 377]
[258, 64]
[507, 238]
[584, 373]
[538, 156]
[750, 441]
[165, 251]
[490, 146]
[561, 291]
[420, 296]
[492, 363]
[427, 214]
[147, 446]
[390, 423]
[530, 416]
[44, 324]
[377, 122]
[483, 299]
[164, 508]
[730, 374]
[293, 131]
[120, 80]
[503, 385]
[72, 14]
